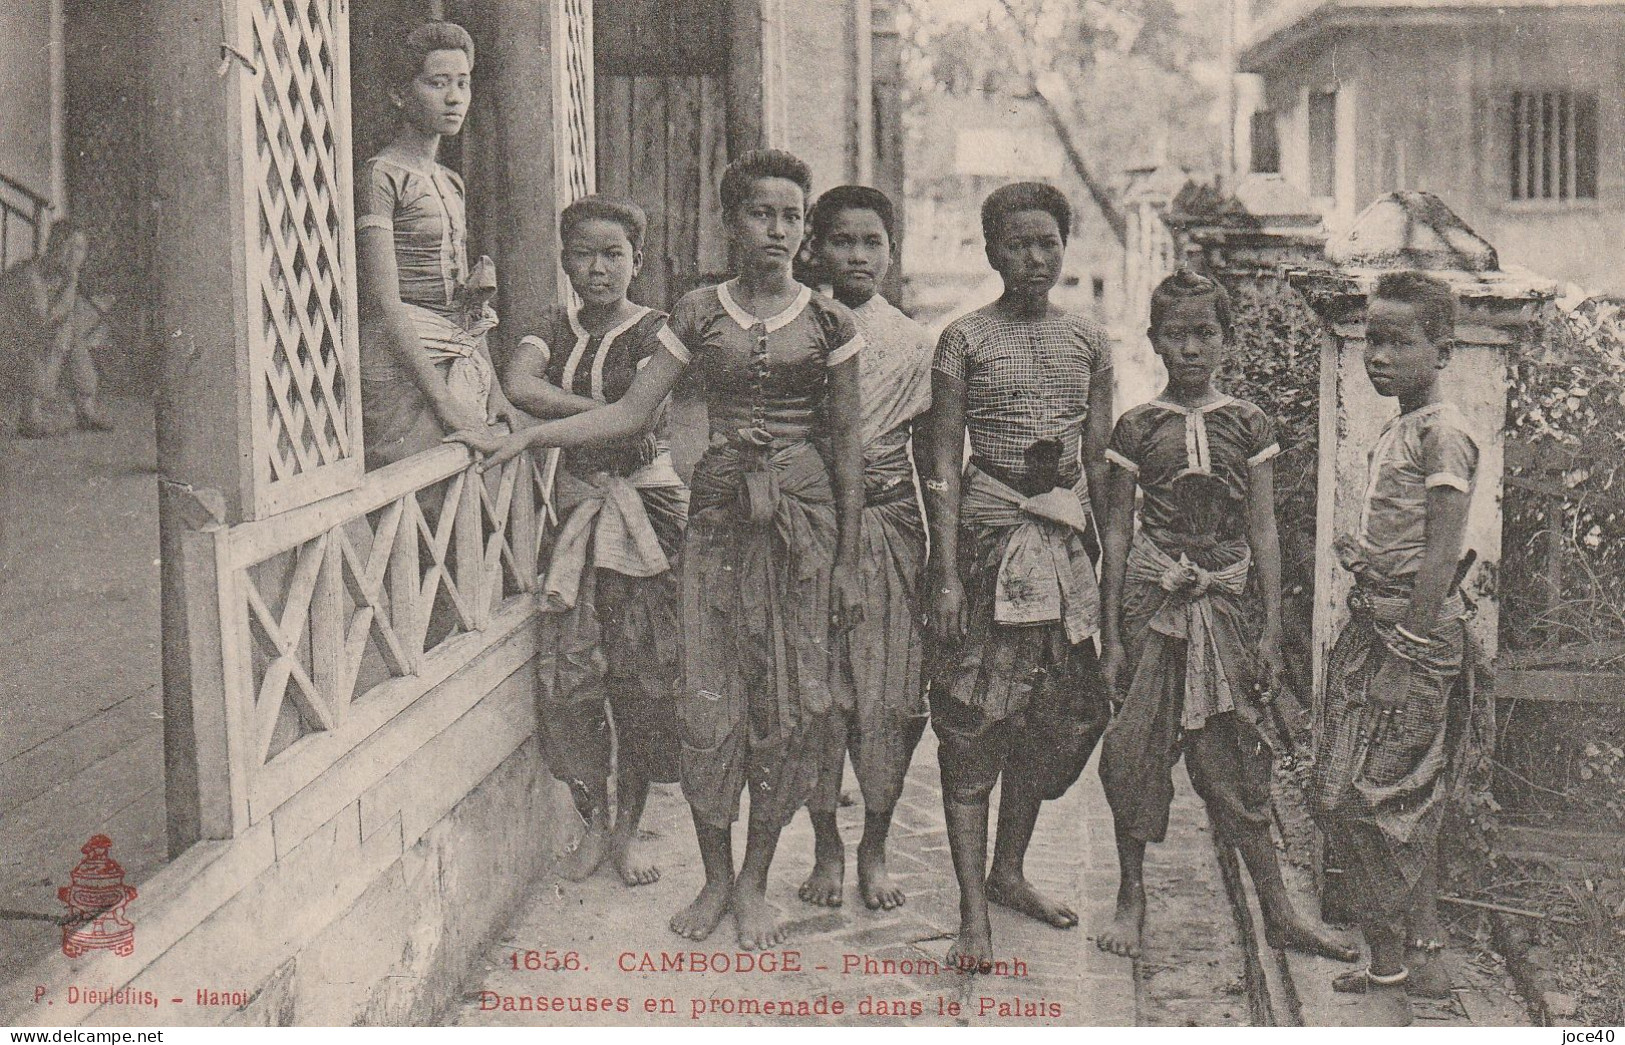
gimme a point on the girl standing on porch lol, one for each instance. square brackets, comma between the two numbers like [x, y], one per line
[425, 367]
[768, 561]
[610, 645]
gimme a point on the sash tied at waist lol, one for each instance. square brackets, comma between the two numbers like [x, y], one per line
[780, 490]
[1045, 573]
[888, 475]
[607, 515]
[1187, 613]
[1381, 606]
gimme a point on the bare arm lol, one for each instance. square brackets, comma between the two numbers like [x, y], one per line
[63, 301]
[528, 387]
[1116, 532]
[628, 416]
[1266, 545]
[947, 444]
[1097, 430]
[1264, 539]
[946, 439]
[1446, 526]
[39, 296]
[845, 421]
[381, 296]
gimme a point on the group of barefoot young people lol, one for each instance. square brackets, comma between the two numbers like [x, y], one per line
[752, 628]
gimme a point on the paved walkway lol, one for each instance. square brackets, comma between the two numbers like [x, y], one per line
[1055, 977]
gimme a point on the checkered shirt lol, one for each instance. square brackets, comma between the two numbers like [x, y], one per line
[1025, 380]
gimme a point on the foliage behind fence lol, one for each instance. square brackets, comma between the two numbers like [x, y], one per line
[1275, 363]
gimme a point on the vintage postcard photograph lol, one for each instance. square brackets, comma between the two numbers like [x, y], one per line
[812, 513]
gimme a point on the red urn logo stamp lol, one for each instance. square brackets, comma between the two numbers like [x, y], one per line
[96, 902]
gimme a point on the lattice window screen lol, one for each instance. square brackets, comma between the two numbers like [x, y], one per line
[574, 155]
[300, 252]
[574, 111]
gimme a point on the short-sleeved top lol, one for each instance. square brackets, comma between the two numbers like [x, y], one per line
[1161, 442]
[426, 212]
[783, 389]
[1025, 381]
[601, 367]
[895, 372]
[1414, 453]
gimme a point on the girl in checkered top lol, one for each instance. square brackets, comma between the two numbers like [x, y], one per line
[1015, 689]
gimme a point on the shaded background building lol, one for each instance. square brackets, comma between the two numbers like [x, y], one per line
[1512, 112]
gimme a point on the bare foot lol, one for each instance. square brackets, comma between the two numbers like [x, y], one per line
[823, 887]
[1430, 975]
[972, 952]
[1298, 935]
[579, 863]
[1018, 894]
[1388, 1007]
[879, 892]
[698, 919]
[1122, 937]
[627, 854]
[757, 921]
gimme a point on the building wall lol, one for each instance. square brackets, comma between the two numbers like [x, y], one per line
[28, 73]
[1427, 109]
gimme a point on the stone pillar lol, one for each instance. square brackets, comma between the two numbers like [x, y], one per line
[1411, 230]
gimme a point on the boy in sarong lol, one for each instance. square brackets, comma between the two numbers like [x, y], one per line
[1174, 618]
[1016, 689]
[880, 716]
[1398, 685]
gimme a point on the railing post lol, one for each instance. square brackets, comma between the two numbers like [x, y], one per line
[199, 292]
[406, 611]
[522, 533]
[327, 639]
[468, 550]
[218, 732]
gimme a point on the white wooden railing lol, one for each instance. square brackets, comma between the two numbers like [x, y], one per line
[314, 628]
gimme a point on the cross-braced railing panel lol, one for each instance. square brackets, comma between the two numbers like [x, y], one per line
[335, 616]
[299, 243]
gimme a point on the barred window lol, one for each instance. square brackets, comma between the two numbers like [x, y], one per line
[1266, 146]
[1553, 145]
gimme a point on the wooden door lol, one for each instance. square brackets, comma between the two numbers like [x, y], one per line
[662, 141]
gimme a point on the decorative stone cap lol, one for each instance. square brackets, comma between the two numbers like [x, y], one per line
[1412, 230]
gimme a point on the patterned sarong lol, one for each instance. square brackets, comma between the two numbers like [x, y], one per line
[882, 698]
[398, 418]
[757, 665]
[613, 635]
[1382, 783]
[1190, 671]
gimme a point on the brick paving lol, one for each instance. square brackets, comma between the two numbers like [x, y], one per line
[602, 920]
